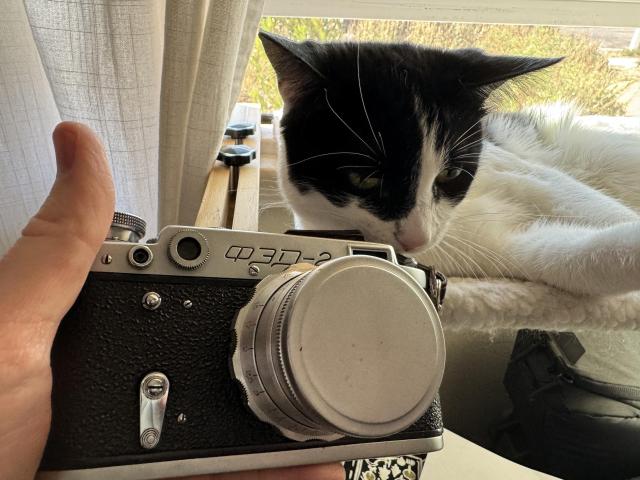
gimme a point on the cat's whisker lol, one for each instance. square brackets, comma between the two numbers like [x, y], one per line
[342, 167]
[522, 214]
[333, 153]
[468, 173]
[364, 107]
[463, 271]
[461, 169]
[499, 257]
[326, 96]
[466, 257]
[489, 254]
[471, 144]
[369, 176]
[468, 268]
[460, 138]
[485, 255]
[435, 252]
[470, 141]
[382, 144]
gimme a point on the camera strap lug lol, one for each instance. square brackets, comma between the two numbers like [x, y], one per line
[436, 286]
[154, 391]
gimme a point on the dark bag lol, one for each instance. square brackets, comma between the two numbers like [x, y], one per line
[567, 419]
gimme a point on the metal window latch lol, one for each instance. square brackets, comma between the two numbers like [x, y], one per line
[154, 391]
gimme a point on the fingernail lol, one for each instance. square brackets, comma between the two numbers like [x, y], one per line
[64, 141]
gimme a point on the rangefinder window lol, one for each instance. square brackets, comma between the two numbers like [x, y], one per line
[372, 253]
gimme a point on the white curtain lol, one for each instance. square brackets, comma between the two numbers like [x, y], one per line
[156, 79]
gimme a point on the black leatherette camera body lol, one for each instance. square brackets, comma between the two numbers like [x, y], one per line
[108, 342]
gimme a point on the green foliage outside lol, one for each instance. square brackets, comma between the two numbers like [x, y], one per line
[584, 77]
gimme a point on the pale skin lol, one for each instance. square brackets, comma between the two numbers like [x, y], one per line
[40, 278]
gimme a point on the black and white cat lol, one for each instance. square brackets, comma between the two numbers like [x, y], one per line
[395, 140]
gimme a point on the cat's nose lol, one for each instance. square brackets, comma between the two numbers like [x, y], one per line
[411, 240]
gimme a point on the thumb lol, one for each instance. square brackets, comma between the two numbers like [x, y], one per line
[43, 273]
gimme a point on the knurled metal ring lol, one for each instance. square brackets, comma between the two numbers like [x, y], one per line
[189, 264]
[131, 222]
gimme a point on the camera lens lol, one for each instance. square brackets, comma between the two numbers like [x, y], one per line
[189, 248]
[322, 341]
[140, 256]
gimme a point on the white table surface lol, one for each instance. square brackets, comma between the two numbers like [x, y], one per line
[463, 460]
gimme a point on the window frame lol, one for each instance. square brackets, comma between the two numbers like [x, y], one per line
[600, 13]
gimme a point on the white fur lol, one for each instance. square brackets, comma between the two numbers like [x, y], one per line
[554, 200]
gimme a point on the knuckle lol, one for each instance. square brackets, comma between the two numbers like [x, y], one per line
[67, 229]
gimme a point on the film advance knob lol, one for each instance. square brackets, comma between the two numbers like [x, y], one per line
[126, 227]
[353, 347]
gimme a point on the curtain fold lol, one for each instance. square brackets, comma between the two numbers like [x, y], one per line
[204, 61]
[155, 79]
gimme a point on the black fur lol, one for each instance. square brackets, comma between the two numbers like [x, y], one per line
[401, 84]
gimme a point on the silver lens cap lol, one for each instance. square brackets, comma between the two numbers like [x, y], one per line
[353, 347]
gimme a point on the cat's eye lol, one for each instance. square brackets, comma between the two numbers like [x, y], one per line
[448, 174]
[363, 182]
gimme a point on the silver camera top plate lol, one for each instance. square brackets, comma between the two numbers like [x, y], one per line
[226, 253]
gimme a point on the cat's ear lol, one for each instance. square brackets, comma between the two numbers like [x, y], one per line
[490, 71]
[293, 63]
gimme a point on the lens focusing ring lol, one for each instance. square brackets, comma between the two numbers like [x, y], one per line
[258, 369]
[330, 389]
[279, 347]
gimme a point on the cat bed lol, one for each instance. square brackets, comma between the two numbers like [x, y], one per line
[493, 304]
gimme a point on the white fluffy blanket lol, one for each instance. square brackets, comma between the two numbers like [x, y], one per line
[495, 304]
[488, 304]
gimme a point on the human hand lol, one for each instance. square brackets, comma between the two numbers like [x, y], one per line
[40, 278]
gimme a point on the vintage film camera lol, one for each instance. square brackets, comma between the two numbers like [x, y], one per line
[213, 350]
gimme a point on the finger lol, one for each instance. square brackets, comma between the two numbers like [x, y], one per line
[333, 471]
[43, 273]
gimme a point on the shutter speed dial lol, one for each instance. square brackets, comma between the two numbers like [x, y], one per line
[351, 348]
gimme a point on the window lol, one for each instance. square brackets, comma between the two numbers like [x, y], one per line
[601, 73]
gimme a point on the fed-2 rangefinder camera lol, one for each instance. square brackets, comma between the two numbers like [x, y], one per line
[214, 350]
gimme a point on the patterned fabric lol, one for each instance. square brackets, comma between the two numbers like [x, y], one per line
[407, 467]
